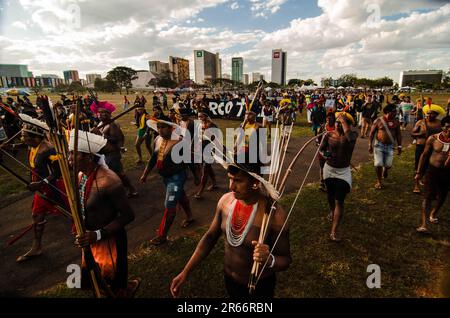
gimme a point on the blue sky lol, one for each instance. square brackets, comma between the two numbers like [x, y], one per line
[322, 37]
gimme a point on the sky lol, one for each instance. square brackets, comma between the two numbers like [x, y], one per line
[322, 38]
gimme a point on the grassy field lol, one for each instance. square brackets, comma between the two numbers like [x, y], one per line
[9, 185]
[378, 228]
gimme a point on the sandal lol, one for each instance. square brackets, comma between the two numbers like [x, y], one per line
[186, 223]
[378, 186]
[417, 191]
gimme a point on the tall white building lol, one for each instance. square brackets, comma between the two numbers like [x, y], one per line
[279, 66]
[90, 78]
[207, 66]
[246, 79]
[256, 77]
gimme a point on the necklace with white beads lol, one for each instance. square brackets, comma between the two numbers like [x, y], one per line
[234, 239]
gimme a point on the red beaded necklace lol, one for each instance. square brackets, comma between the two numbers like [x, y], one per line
[241, 215]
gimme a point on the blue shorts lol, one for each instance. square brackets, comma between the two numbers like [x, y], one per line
[174, 189]
[383, 154]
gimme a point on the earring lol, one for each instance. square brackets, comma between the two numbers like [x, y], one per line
[255, 186]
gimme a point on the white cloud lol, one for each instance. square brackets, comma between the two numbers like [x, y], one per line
[19, 25]
[130, 33]
[263, 8]
[234, 6]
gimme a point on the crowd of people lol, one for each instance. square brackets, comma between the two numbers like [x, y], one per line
[336, 118]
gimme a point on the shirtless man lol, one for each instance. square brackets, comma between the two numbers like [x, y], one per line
[113, 156]
[238, 216]
[337, 149]
[206, 168]
[387, 132]
[437, 176]
[174, 178]
[422, 130]
[106, 212]
[46, 178]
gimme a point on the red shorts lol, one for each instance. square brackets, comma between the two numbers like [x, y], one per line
[41, 205]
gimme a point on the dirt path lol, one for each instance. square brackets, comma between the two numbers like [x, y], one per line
[28, 278]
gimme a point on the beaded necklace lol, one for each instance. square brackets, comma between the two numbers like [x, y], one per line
[240, 220]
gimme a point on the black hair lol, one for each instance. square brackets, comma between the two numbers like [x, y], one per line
[445, 120]
[389, 108]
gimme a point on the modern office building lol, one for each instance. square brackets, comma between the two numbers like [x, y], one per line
[279, 66]
[49, 76]
[179, 69]
[237, 69]
[71, 76]
[15, 70]
[246, 79]
[407, 78]
[157, 67]
[207, 66]
[256, 77]
[90, 78]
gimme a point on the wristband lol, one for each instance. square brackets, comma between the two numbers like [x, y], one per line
[45, 181]
[99, 235]
[273, 261]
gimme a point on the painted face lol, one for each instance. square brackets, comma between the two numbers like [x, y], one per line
[241, 185]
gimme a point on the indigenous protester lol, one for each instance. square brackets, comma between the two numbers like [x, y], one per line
[422, 130]
[337, 149]
[239, 216]
[386, 132]
[329, 127]
[113, 133]
[368, 114]
[46, 178]
[126, 103]
[174, 177]
[268, 111]
[437, 176]
[106, 212]
[250, 127]
[318, 117]
[407, 108]
[207, 169]
[187, 126]
[143, 134]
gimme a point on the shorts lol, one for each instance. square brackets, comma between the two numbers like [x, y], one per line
[40, 205]
[337, 188]
[437, 183]
[264, 289]
[141, 132]
[383, 154]
[174, 189]
[406, 117]
[269, 118]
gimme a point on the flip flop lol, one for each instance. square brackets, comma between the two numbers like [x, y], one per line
[25, 257]
[417, 191]
[378, 186]
[186, 223]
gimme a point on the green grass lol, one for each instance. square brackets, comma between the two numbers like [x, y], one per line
[378, 228]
